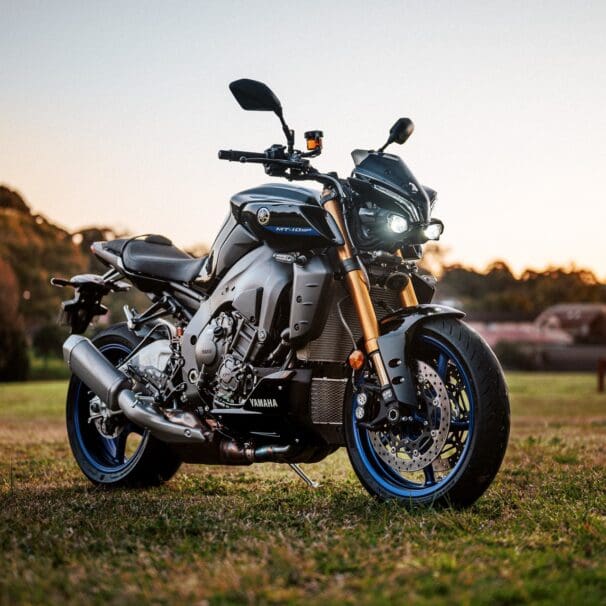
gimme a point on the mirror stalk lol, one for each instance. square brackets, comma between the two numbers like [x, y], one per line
[389, 142]
[288, 132]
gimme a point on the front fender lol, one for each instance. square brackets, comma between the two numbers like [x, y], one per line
[397, 330]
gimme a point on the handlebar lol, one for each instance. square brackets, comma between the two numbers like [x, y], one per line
[300, 168]
[233, 155]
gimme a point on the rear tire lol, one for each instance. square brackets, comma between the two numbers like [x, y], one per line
[103, 460]
[482, 402]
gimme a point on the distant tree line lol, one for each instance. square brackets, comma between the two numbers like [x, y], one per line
[32, 249]
[498, 292]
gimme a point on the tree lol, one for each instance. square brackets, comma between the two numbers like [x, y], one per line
[85, 237]
[48, 340]
[14, 361]
[36, 249]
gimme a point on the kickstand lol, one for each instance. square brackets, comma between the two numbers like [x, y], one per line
[303, 476]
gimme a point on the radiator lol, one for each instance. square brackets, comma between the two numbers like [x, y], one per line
[334, 344]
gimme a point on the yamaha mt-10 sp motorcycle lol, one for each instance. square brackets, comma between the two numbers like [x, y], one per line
[308, 327]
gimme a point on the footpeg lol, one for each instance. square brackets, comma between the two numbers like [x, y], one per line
[303, 476]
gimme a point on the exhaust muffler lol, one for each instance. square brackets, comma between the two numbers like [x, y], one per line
[95, 370]
[114, 388]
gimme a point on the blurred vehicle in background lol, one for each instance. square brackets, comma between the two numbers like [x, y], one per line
[565, 337]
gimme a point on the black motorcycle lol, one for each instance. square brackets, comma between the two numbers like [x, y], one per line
[308, 327]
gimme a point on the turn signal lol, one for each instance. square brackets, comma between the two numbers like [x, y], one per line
[356, 359]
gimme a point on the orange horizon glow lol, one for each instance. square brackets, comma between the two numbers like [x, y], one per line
[448, 258]
[114, 117]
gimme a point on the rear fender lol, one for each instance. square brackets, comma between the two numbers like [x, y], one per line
[397, 330]
[86, 304]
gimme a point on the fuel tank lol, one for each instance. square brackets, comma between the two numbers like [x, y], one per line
[288, 218]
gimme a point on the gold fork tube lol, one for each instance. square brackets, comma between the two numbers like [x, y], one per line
[360, 295]
[358, 290]
[408, 296]
[333, 209]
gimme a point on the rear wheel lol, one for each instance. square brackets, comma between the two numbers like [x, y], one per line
[449, 451]
[113, 451]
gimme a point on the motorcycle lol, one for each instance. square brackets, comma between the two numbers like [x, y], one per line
[308, 327]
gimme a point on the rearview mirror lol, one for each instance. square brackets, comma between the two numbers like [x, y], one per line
[255, 96]
[401, 130]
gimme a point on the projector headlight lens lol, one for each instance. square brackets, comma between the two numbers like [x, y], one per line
[397, 224]
[434, 231]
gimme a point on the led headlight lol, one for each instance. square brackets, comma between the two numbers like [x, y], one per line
[397, 224]
[433, 231]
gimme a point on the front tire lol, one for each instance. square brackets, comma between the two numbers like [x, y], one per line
[478, 420]
[124, 454]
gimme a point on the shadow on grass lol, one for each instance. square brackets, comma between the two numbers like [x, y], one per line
[187, 514]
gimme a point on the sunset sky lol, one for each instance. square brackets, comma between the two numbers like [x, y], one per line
[111, 113]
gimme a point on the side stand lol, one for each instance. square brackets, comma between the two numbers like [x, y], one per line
[303, 476]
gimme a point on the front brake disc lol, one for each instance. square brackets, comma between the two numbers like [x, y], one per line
[406, 449]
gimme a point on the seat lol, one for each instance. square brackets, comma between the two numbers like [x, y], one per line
[157, 257]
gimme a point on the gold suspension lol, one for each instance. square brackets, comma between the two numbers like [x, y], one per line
[360, 295]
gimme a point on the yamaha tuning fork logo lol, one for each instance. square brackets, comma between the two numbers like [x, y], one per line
[263, 216]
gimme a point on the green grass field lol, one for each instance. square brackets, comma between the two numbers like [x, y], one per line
[258, 535]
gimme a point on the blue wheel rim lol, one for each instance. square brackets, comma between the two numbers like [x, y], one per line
[389, 479]
[104, 454]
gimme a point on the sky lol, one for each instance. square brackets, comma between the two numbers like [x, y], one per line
[111, 113]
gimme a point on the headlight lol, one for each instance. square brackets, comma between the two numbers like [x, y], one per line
[397, 224]
[434, 230]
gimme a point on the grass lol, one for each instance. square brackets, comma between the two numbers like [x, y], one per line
[258, 536]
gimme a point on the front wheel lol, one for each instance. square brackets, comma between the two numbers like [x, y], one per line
[449, 451]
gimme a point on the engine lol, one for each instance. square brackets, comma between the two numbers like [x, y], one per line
[224, 353]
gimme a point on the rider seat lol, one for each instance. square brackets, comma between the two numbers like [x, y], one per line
[157, 257]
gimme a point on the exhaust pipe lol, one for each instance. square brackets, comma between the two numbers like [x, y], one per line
[232, 453]
[173, 426]
[114, 389]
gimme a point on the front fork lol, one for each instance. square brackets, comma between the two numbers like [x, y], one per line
[359, 290]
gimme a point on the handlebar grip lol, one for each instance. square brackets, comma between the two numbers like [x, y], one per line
[233, 155]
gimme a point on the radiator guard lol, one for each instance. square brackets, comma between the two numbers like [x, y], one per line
[334, 344]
